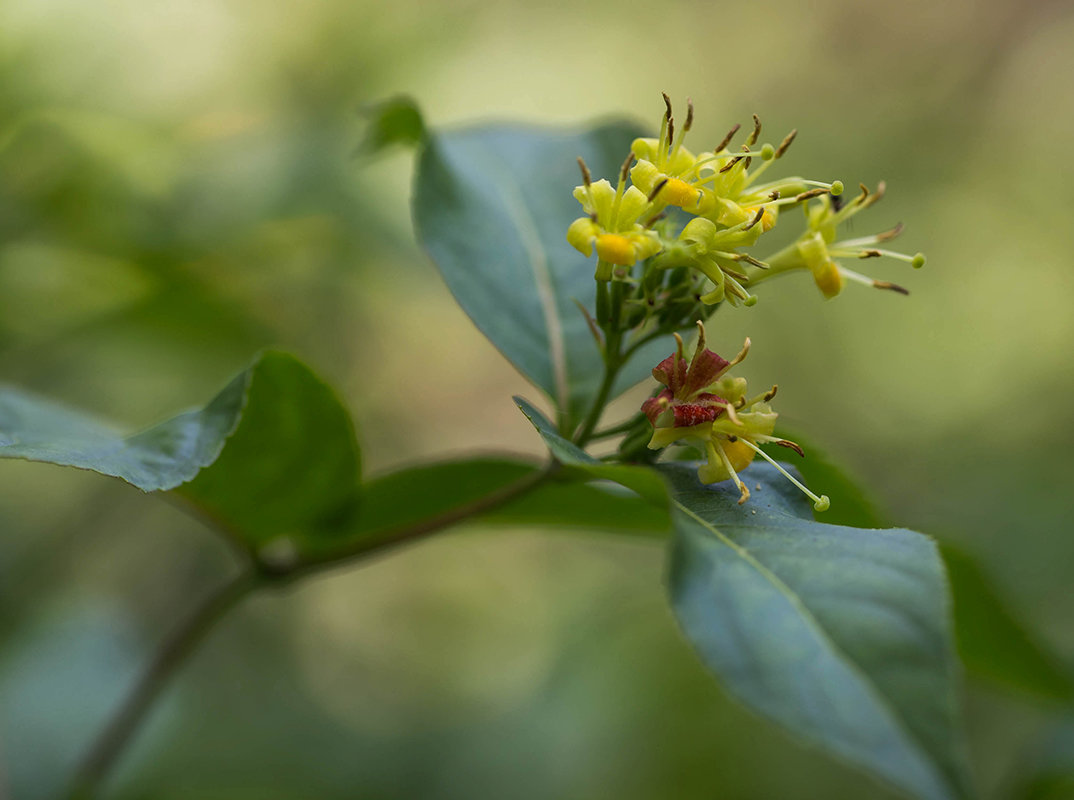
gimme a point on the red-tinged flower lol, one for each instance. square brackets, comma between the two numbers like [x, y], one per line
[685, 401]
[700, 406]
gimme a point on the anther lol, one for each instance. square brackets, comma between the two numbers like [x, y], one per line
[869, 254]
[864, 193]
[731, 164]
[741, 355]
[887, 236]
[671, 130]
[809, 195]
[791, 445]
[727, 139]
[751, 260]
[689, 115]
[667, 103]
[894, 287]
[774, 195]
[756, 219]
[786, 143]
[587, 179]
[771, 393]
[655, 218]
[753, 137]
[656, 189]
[624, 171]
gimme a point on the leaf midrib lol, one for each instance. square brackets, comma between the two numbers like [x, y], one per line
[814, 624]
[519, 214]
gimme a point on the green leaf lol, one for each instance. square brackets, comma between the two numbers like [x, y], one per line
[647, 483]
[291, 467]
[851, 504]
[840, 635]
[273, 453]
[492, 205]
[395, 121]
[993, 642]
[1048, 773]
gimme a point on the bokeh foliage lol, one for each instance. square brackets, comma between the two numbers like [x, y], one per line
[179, 189]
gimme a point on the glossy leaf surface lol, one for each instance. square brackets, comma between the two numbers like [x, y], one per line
[841, 635]
[273, 453]
[492, 205]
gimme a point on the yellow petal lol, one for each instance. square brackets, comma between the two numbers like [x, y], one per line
[645, 175]
[616, 249]
[633, 204]
[581, 234]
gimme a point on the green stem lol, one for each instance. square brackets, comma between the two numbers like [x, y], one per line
[615, 430]
[611, 369]
[785, 260]
[111, 742]
[418, 530]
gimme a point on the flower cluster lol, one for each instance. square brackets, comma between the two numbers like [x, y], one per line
[705, 213]
[678, 234]
[702, 405]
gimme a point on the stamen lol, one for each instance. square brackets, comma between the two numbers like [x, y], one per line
[892, 286]
[754, 261]
[727, 139]
[821, 503]
[741, 257]
[889, 235]
[791, 446]
[738, 276]
[716, 449]
[748, 299]
[730, 165]
[786, 143]
[730, 408]
[753, 137]
[914, 259]
[859, 278]
[764, 397]
[624, 173]
[756, 218]
[866, 241]
[745, 351]
[587, 178]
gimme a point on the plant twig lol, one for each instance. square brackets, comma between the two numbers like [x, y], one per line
[110, 743]
[420, 529]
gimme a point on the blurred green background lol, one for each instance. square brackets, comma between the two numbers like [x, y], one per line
[178, 188]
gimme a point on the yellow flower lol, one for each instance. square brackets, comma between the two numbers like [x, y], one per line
[817, 249]
[611, 225]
